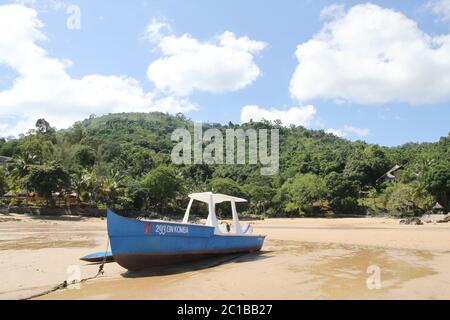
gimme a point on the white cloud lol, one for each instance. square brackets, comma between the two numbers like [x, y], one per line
[44, 5]
[441, 8]
[225, 63]
[299, 116]
[373, 55]
[349, 130]
[157, 29]
[173, 105]
[43, 88]
[334, 11]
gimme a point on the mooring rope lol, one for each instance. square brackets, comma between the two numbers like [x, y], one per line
[65, 284]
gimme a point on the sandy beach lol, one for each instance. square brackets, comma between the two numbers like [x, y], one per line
[301, 259]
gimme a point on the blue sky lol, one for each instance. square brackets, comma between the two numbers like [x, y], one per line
[336, 87]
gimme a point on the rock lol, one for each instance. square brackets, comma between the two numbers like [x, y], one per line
[413, 221]
[445, 220]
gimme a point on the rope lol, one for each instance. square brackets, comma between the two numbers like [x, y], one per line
[100, 269]
[65, 284]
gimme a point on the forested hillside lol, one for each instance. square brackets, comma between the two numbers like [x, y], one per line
[123, 161]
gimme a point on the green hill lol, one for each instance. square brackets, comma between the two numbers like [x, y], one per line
[123, 160]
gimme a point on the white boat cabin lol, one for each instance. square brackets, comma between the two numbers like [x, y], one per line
[211, 199]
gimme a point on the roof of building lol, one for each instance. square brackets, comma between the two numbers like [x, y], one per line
[438, 206]
[390, 174]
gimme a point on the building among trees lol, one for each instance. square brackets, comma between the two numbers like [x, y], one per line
[391, 175]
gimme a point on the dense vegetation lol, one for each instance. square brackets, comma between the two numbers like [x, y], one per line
[123, 161]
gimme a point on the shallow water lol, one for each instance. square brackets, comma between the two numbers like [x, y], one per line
[44, 242]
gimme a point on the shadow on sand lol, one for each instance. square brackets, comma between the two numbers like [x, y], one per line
[198, 265]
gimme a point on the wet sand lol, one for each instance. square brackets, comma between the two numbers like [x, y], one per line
[301, 259]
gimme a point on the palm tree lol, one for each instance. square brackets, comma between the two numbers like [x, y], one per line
[90, 183]
[111, 187]
[21, 167]
[85, 183]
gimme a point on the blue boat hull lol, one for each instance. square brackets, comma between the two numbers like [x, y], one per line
[138, 245]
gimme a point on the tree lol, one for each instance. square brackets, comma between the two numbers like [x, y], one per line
[142, 160]
[341, 192]
[304, 190]
[229, 187]
[85, 156]
[39, 147]
[437, 182]
[47, 179]
[260, 196]
[111, 187]
[260, 191]
[43, 127]
[76, 134]
[78, 185]
[367, 165]
[429, 175]
[86, 184]
[400, 199]
[21, 167]
[10, 148]
[160, 186]
[3, 183]
[226, 186]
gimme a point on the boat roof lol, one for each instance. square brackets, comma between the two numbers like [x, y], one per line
[217, 197]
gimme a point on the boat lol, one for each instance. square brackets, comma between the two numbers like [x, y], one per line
[98, 257]
[138, 244]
